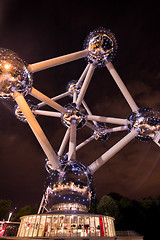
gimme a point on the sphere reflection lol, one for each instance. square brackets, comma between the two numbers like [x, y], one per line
[19, 114]
[72, 87]
[14, 75]
[71, 184]
[101, 45]
[73, 114]
[146, 121]
[101, 134]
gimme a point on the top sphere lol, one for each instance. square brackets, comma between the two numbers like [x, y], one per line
[14, 75]
[101, 45]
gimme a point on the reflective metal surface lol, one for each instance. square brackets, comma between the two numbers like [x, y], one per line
[19, 115]
[73, 114]
[14, 75]
[72, 87]
[101, 133]
[70, 184]
[146, 121]
[101, 45]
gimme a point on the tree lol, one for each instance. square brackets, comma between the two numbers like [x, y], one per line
[27, 210]
[4, 208]
[93, 208]
[108, 206]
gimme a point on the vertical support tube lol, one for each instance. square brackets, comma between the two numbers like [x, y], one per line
[38, 132]
[74, 96]
[64, 142]
[41, 204]
[72, 141]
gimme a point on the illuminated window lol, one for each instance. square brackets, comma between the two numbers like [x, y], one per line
[73, 225]
[81, 231]
[47, 228]
[36, 227]
[54, 225]
[97, 226]
[92, 226]
[67, 227]
[86, 226]
[42, 226]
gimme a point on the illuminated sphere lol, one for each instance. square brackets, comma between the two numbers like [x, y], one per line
[101, 134]
[71, 185]
[101, 45]
[14, 75]
[18, 113]
[146, 121]
[73, 114]
[72, 87]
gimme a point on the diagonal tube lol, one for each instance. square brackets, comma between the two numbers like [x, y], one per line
[41, 104]
[37, 94]
[47, 113]
[64, 142]
[72, 141]
[88, 110]
[85, 84]
[85, 142]
[117, 129]
[38, 132]
[83, 75]
[157, 138]
[118, 121]
[57, 61]
[91, 126]
[122, 87]
[41, 204]
[112, 151]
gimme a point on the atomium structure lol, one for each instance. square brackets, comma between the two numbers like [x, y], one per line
[69, 189]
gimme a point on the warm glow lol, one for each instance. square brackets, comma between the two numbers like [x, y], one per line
[7, 66]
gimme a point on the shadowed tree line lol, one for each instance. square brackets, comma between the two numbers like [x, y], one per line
[6, 208]
[141, 216]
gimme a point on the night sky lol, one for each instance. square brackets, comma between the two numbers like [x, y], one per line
[39, 30]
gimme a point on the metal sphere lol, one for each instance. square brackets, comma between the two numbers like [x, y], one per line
[78, 115]
[71, 184]
[101, 134]
[18, 113]
[14, 75]
[72, 87]
[75, 172]
[101, 45]
[146, 121]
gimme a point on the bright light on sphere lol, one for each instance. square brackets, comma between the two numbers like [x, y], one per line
[14, 75]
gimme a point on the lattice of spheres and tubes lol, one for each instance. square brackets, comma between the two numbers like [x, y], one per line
[70, 188]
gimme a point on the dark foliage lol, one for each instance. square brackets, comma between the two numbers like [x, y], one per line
[4, 208]
[141, 216]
